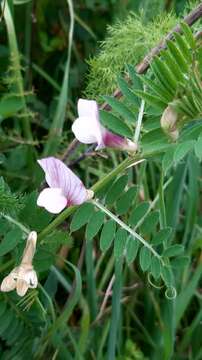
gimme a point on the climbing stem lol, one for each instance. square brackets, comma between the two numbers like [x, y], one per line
[126, 227]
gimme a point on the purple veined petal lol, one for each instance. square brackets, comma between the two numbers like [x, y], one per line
[116, 141]
[52, 199]
[59, 176]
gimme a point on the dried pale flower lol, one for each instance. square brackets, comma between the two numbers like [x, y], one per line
[87, 129]
[23, 276]
[65, 188]
[169, 122]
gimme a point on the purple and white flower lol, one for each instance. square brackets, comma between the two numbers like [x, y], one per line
[65, 188]
[88, 129]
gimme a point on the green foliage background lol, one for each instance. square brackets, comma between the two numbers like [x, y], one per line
[119, 277]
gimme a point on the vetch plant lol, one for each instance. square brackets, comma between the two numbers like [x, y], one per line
[65, 188]
[23, 277]
[124, 266]
[88, 129]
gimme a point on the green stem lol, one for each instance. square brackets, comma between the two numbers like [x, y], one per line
[116, 307]
[139, 122]
[17, 223]
[28, 36]
[59, 117]
[16, 65]
[90, 279]
[127, 228]
[162, 207]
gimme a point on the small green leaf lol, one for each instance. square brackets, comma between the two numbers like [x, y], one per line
[33, 216]
[107, 235]
[162, 236]
[115, 124]
[10, 105]
[134, 77]
[150, 222]
[173, 66]
[165, 75]
[58, 237]
[126, 200]
[180, 262]
[188, 35]
[155, 267]
[120, 108]
[176, 53]
[116, 190]
[151, 99]
[167, 275]
[182, 149]
[11, 239]
[145, 258]
[94, 224]
[132, 247]
[120, 243]
[168, 159]
[81, 216]
[128, 93]
[2, 307]
[138, 213]
[182, 45]
[198, 148]
[158, 89]
[173, 250]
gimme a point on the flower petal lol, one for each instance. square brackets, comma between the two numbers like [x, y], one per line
[87, 131]
[52, 199]
[58, 175]
[86, 127]
[8, 283]
[21, 287]
[30, 277]
[87, 108]
[119, 142]
[30, 248]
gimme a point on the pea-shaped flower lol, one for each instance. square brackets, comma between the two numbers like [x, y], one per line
[88, 129]
[23, 276]
[65, 188]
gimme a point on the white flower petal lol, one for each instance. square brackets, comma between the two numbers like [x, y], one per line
[21, 287]
[30, 248]
[52, 200]
[86, 130]
[8, 283]
[31, 279]
[87, 108]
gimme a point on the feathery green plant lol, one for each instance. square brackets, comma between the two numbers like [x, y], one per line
[129, 289]
[127, 42]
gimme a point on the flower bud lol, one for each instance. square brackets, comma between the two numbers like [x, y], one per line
[169, 122]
